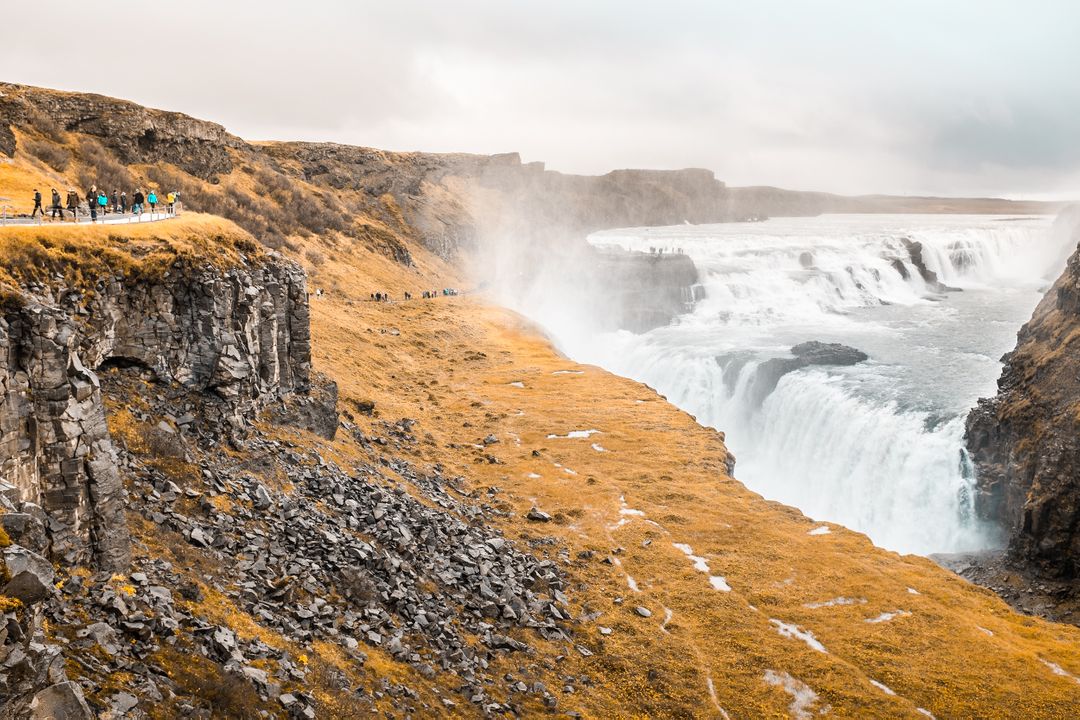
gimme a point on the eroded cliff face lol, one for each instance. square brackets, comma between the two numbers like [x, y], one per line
[1025, 441]
[241, 334]
[138, 135]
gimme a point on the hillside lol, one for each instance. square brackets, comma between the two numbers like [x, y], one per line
[260, 492]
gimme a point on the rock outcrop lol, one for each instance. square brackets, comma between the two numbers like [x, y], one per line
[240, 333]
[1025, 441]
[808, 353]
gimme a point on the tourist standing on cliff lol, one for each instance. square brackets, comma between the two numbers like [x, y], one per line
[37, 205]
[56, 206]
[91, 201]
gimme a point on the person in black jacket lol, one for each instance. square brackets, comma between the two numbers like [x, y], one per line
[137, 202]
[37, 205]
[56, 206]
[73, 203]
[92, 201]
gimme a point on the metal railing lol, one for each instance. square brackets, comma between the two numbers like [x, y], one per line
[163, 211]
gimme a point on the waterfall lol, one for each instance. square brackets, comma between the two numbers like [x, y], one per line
[875, 446]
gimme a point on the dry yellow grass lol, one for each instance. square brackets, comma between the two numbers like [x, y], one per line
[85, 253]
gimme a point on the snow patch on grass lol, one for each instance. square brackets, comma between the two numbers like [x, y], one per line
[517, 384]
[712, 696]
[820, 530]
[803, 698]
[573, 435]
[882, 687]
[794, 632]
[1060, 671]
[718, 582]
[834, 602]
[887, 616]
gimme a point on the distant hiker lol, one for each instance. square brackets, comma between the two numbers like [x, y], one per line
[37, 205]
[137, 201]
[151, 198]
[123, 201]
[170, 200]
[103, 203]
[91, 202]
[56, 207]
[72, 204]
[116, 201]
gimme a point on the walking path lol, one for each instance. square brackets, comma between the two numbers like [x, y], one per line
[111, 219]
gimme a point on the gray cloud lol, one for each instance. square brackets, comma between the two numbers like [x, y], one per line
[969, 97]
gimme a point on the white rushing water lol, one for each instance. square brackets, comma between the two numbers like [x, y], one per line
[875, 446]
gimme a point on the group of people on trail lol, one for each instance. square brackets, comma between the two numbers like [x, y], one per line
[427, 295]
[98, 202]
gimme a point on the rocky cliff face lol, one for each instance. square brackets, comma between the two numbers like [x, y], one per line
[241, 334]
[1025, 441]
[137, 135]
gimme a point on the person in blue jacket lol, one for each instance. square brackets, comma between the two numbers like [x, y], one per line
[151, 198]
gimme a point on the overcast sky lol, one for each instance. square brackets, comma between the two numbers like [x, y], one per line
[958, 98]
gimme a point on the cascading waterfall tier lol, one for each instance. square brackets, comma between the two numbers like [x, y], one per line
[877, 446]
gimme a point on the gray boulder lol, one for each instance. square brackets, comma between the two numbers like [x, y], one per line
[63, 701]
[31, 575]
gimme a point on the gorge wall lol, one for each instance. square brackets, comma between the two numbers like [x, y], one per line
[1025, 441]
[241, 334]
